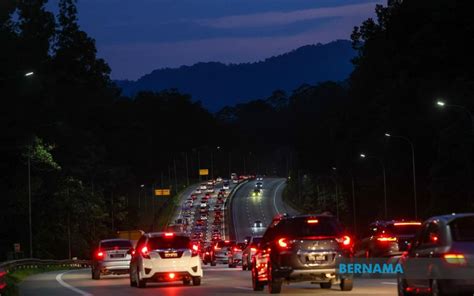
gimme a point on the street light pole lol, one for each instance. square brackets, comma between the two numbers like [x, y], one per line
[384, 181]
[467, 111]
[413, 168]
[30, 227]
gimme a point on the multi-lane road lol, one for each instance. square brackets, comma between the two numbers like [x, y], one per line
[218, 280]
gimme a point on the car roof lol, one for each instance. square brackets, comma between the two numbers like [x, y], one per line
[114, 240]
[161, 234]
[449, 218]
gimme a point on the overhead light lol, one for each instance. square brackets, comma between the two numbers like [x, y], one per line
[387, 135]
[29, 73]
[362, 155]
[440, 103]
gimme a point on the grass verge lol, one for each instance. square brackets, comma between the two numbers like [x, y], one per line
[287, 198]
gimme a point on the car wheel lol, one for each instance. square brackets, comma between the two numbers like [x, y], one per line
[186, 281]
[133, 283]
[196, 280]
[326, 285]
[141, 283]
[96, 274]
[401, 287]
[346, 285]
[256, 285]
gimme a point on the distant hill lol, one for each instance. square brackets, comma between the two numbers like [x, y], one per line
[217, 84]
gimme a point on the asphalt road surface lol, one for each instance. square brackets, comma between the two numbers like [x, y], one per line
[218, 280]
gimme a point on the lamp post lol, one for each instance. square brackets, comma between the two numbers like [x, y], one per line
[384, 180]
[353, 198]
[443, 104]
[413, 167]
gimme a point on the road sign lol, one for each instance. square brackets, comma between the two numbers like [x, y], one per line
[162, 192]
[203, 172]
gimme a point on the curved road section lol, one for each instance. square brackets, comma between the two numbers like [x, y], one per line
[218, 280]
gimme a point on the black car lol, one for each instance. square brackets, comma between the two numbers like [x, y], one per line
[208, 256]
[387, 238]
[440, 260]
[301, 248]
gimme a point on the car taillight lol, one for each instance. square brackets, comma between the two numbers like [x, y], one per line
[216, 248]
[171, 276]
[99, 255]
[194, 250]
[253, 249]
[312, 221]
[145, 253]
[454, 258]
[168, 234]
[284, 243]
[344, 241]
[237, 249]
[406, 223]
[386, 239]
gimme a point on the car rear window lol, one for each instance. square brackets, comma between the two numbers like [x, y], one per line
[222, 244]
[173, 242]
[118, 244]
[299, 227]
[256, 240]
[462, 229]
[403, 229]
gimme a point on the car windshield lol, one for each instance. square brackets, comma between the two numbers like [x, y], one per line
[299, 227]
[462, 229]
[403, 229]
[116, 244]
[171, 242]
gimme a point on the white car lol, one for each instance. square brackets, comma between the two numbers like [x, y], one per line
[226, 186]
[210, 189]
[219, 179]
[235, 181]
[203, 186]
[203, 205]
[165, 257]
[198, 191]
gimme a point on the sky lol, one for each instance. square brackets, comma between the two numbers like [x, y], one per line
[138, 36]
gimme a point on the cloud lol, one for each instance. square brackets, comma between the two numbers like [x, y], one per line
[284, 18]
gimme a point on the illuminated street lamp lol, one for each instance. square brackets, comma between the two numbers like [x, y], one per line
[459, 107]
[29, 74]
[362, 155]
[413, 166]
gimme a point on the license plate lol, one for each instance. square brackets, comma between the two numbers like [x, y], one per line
[171, 255]
[117, 255]
[316, 257]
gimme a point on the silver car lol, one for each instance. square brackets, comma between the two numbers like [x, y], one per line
[111, 257]
[222, 250]
[249, 251]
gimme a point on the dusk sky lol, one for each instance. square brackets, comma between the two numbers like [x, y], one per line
[138, 36]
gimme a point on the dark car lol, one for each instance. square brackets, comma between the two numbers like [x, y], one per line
[387, 238]
[440, 259]
[208, 256]
[111, 257]
[301, 248]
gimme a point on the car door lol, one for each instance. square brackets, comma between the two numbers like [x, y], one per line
[425, 249]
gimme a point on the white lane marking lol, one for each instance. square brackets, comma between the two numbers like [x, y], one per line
[388, 283]
[244, 288]
[274, 198]
[59, 279]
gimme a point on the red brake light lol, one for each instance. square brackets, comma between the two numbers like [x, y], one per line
[312, 221]
[99, 255]
[237, 249]
[168, 234]
[195, 248]
[171, 275]
[455, 258]
[345, 241]
[216, 247]
[226, 241]
[386, 239]
[283, 243]
[145, 252]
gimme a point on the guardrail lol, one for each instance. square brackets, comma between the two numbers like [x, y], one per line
[229, 225]
[11, 266]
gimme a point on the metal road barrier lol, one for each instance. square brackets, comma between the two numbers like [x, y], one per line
[11, 266]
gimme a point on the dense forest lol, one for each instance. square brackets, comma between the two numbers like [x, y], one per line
[83, 150]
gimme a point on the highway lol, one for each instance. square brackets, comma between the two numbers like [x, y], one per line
[219, 280]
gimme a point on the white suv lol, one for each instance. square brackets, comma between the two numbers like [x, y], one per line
[165, 257]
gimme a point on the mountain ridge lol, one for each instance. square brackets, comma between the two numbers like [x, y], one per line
[217, 84]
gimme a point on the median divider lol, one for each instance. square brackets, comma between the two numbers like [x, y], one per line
[229, 225]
